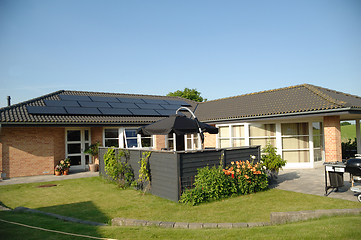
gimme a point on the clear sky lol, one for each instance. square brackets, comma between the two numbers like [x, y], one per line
[221, 48]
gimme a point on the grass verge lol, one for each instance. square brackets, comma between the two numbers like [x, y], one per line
[94, 199]
[348, 227]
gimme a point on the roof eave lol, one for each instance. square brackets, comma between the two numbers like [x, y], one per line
[326, 112]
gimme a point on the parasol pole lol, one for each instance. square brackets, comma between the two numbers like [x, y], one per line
[196, 119]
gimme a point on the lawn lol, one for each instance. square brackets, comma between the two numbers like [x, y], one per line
[95, 199]
[343, 227]
[348, 132]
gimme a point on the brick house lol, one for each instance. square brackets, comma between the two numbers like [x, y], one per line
[302, 121]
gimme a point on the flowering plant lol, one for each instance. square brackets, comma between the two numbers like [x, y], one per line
[58, 168]
[64, 164]
[250, 177]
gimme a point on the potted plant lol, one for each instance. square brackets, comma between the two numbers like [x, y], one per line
[58, 169]
[273, 162]
[65, 164]
[93, 151]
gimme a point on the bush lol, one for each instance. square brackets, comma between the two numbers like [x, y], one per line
[118, 171]
[271, 160]
[216, 183]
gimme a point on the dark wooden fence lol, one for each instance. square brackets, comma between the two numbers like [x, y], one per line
[172, 172]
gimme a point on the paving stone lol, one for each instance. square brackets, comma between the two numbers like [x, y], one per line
[253, 224]
[167, 224]
[181, 225]
[225, 225]
[128, 222]
[117, 221]
[140, 223]
[195, 225]
[153, 223]
[210, 225]
[239, 225]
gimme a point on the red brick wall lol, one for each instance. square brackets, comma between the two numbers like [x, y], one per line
[210, 140]
[159, 142]
[31, 151]
[332, 132]
[97, 135]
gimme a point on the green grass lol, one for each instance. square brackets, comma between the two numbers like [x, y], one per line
[94, 199]
[343, 227]
[348, 132]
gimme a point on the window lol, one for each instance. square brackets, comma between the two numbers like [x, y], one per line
[192, 141]
[317, 141]
[126, 138]
[261, 134]
[231, 136]
[295, 142]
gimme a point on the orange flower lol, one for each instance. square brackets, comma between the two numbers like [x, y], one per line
[237, 162]
[237, 170]
[243, 166]
[232, 163]
[246, 176]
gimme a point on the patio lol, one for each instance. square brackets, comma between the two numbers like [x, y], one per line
[312, 181]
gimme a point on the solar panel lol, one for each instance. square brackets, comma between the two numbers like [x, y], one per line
[175, 107]
[167, 112]
[123, 105]
[45, 110]
[149, 106]
[74, 98]
[154, 101]
[94, 104]
[178, 102]
[56, 103]
[144, 112]
[115, 111]
[83, 111]
[131, 100]
[104, 99]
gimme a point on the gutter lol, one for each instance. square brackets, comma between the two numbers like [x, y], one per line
[329, 111]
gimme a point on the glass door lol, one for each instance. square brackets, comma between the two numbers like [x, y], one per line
[77, 140]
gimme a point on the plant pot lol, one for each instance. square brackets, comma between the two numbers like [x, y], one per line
[272, 176]
[57, 173]
[66, 172]
[93, 167]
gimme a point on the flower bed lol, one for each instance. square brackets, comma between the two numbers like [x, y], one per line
[241, 177]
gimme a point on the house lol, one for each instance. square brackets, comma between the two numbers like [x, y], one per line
[302, 121]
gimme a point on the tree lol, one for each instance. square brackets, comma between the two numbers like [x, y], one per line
[187, 93]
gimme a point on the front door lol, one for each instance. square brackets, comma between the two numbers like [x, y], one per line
[77, 140]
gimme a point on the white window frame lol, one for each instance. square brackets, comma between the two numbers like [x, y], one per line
[231, 138]
[122, 143]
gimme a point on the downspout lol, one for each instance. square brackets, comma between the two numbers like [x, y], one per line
[195, 119]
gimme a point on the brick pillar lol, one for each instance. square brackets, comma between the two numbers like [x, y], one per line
[210, 140]
[97, 135]
[159, 142]
[332, 132]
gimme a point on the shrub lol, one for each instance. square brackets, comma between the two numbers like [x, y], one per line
[216, 183]
[270, 159]
[118, 171]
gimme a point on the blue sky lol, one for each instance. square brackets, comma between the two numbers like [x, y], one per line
[221, 48]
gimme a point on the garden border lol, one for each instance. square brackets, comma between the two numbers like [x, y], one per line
[276, 218]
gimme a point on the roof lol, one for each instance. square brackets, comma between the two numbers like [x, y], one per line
[299, 99]
[80, 107]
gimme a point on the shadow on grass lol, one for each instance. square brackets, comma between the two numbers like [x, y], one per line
[10, 230]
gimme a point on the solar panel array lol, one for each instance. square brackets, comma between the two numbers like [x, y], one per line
[94, 105]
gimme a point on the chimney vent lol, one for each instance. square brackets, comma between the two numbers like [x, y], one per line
[9, 102]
